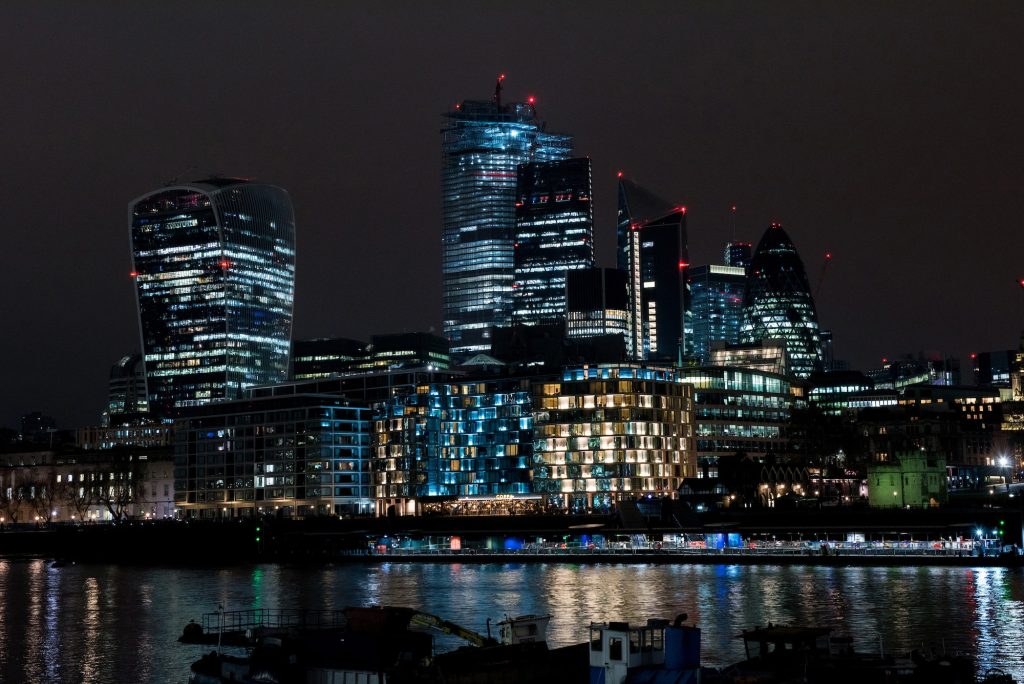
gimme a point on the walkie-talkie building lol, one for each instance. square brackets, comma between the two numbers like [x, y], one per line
[214, 269]
[778, 302]
[482, 145]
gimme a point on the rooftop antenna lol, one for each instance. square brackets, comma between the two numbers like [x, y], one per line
[497, 90]
[733, 210]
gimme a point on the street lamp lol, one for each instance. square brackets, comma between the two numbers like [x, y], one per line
[1005, 464]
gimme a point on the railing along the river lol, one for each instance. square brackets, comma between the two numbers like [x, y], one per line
[272, 618]
[915, 549]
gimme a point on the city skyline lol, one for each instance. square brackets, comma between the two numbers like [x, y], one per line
[886, 137]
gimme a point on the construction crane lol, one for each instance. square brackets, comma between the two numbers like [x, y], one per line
[448, 627]
[821, 276]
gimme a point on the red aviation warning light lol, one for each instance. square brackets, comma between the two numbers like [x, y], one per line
[225, 264]
[531, 100]
[134, 274]
[733, 209]
[683, 265]
[618, 175]
[1021, 282]
[681, 210]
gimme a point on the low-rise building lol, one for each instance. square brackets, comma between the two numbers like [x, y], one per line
[911, 479]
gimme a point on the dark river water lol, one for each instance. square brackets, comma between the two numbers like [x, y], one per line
[96, 623]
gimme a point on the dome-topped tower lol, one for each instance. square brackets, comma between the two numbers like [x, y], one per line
[778, 303]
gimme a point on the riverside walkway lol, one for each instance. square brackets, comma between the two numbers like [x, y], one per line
[783, 553]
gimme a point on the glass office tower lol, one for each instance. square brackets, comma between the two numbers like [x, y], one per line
[214, 269]
[716, 308]
[778, 303]
[652, 250]
[482, 145]
[596, 302]
[554, 235]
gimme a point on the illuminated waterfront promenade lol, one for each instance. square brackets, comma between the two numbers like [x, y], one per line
[773, 552]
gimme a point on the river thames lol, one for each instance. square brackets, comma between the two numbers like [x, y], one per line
[104, 623]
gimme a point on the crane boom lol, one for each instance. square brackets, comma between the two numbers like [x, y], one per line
[449, 627]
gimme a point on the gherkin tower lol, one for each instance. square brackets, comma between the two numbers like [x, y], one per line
[778, 302]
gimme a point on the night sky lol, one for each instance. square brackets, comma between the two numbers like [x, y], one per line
[889, 133]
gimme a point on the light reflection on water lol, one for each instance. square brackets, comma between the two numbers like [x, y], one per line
[97, 624]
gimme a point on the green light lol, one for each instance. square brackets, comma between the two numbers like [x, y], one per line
[257, 539]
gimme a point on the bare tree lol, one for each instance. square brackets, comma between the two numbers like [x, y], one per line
[117, 486]
[76, 497]
[45, 496]
[12, 503]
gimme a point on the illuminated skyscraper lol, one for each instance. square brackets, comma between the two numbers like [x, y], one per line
[554, 235]
[778, 303]
[652, 250]
[716, 308]
[482, 145]
[214, 269]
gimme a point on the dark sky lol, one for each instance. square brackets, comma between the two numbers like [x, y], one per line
[889, 133]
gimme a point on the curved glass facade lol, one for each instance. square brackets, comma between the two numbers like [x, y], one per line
[214, 269]
[605, 433]
[778, 302]
[482, 146]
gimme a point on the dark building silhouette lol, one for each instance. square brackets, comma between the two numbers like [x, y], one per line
[778, 302]
[597, 303]
[652, 251]
[738, 254]
[993, 368]
[325, 356]
[127, 398]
